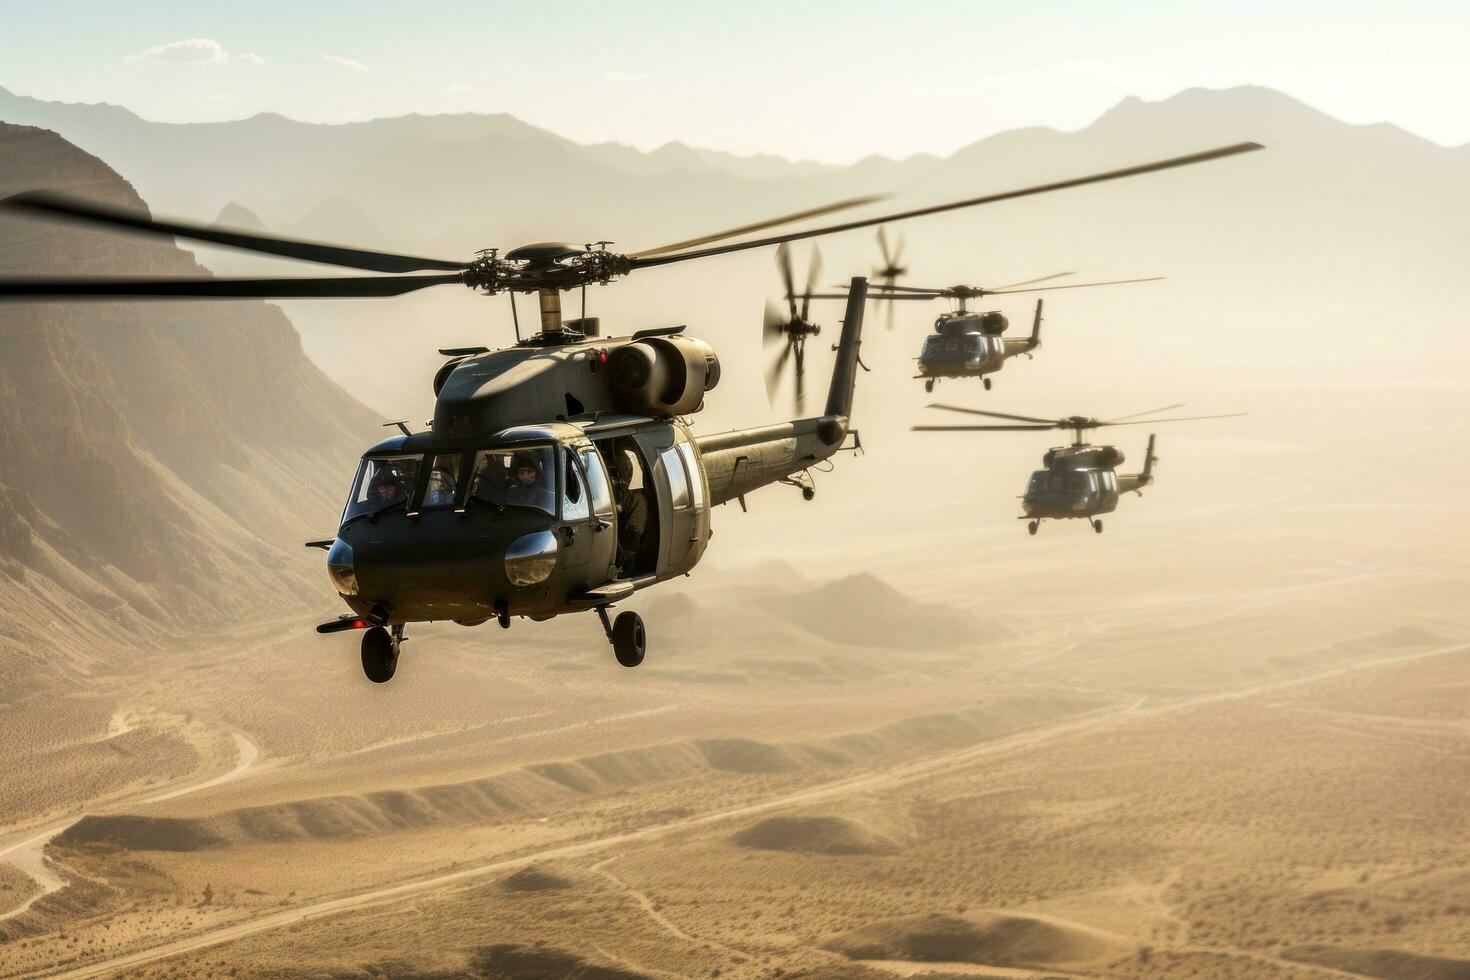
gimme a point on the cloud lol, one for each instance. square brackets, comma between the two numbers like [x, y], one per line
[458, 88]
[341, 62]
[194, 51]
[250, 58]
[619, 77]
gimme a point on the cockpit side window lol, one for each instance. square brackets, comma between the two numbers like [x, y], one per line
[382, 482]
[678, 480]
[574, 502]
[443, 481]
[597, 483]
[523, 477]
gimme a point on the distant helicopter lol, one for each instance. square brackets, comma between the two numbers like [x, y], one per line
[1079, 480]
[969, 344]
[526, 496]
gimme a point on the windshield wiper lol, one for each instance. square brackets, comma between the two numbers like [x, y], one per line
[373, 515]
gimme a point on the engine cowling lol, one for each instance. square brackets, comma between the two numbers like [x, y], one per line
[663, 376]
[994, 324]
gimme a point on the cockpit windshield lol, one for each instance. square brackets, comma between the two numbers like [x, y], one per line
[1075, 482]
[523, 477]
[382, 483]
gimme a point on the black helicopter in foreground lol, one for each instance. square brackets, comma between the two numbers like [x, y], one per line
[1080, 480]
[559, 475]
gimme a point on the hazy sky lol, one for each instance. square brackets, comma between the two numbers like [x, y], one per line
[827, 81]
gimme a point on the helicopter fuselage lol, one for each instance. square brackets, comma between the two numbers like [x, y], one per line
[970, 345]
[1080, 481]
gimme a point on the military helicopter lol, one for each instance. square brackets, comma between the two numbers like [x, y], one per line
[1079, 480]
[526, 495]
[969, 344]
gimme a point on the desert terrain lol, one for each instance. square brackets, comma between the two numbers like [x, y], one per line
[882, 734]
[1178, 749]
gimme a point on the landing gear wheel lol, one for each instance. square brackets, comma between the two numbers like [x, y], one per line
[987, 383]
[929, 386]
[1097, 525]
[379, 655]
[629, 639]
[1032, 526]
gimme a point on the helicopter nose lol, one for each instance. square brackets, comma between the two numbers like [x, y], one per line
[341, 569]
[443, 567]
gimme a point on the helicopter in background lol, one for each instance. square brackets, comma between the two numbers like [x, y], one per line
[559, 475]
[969, 344]
[1080, 480]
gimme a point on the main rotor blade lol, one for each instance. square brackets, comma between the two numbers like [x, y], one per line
[1135, 415]
[813, 272]
[56, 205]
[874, 296]
[102, 289]
[933, 291]
[1075, 285]
[854, 202]
[773, 373]
[1170, 163]
[1027, 282]
[1050, 423]
[788, 278]
[1183, 418]
[980, 428]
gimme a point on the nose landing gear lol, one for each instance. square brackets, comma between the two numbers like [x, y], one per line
[1097, 525]
[1032, 527]
[380, 653]
[626, 634]
[987, 383]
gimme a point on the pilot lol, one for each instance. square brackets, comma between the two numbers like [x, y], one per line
[632, 509]
[527, 486]
[387, 489]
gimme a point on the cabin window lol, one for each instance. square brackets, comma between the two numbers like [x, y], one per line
[443, 481]
[678, 478]
[691, 467]
[523, 477]
[574, 503]
[1038, 482]
[951, 345]
[383, 482]
[972, 345]
[598, 487]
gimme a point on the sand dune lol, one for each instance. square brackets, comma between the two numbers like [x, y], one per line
[1397, 964]
[543, 787]
[994, 939]
[814, 835]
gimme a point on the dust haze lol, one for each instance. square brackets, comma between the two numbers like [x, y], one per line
[882, 733]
